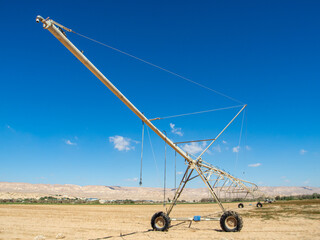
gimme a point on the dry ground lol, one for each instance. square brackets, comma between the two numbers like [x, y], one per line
[283, 220]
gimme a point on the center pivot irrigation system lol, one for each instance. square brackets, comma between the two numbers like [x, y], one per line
[215, 179]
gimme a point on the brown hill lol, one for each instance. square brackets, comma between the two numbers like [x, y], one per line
[28, 190]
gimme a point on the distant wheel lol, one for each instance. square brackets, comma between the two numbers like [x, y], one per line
[240, 205]
[230, 221]
[259, 205]
[160, 221]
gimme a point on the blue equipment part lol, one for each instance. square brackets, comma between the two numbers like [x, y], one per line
[196, 218]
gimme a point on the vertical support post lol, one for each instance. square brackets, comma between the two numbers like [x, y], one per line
[182, 184]
[175, 169]
[165, 170]
[209, 187]
[142, 138]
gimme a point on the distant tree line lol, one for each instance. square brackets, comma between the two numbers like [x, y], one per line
[298, 197]
[212, 200]
[277, 198]
[48, 200]
[66, 200]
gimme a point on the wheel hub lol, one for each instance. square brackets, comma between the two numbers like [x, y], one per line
[231, 222]
[159, 222]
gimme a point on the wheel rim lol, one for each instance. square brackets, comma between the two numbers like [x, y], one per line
[231, 222]
[159, 222]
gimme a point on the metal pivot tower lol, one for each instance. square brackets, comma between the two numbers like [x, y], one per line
[230, 221]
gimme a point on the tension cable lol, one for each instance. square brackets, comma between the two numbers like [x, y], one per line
[237, 153]
[153, 65]
[193, 113]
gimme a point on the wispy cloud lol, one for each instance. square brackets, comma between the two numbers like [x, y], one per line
[254, 165]
[285, 179]
[194, 147]
[68, 142]
[10, 128]
[224, 142]
[303, 151]
[122, 143]
[176, 130]
[236, 149]
[132, 179]
[179, 173]
[248, 148]
[217, 148]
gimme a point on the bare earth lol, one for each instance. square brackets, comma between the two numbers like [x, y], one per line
[292, 220]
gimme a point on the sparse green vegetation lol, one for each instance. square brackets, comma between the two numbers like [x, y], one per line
[58, 199]
[309, 209]
[298, 197]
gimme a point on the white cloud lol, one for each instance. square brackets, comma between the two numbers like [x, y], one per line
[236, 149]
[175, 130]
[68, 142]
[193, 147]
[248, 148]
[132, 179]
[179, 173]
[302, 152]
[121, 143]
[254, 165]
[224, 142]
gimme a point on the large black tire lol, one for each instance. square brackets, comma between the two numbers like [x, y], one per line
[240, 205]
[160, 221]
[230, 221]
[259, 205]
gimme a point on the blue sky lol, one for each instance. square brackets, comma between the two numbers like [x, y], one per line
[59, 124]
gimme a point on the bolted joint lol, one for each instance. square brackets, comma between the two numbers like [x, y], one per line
[46, 22]
[39, 19]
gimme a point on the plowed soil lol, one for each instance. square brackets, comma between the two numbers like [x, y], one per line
[283, 220]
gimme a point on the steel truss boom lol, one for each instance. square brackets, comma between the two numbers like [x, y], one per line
[204, 170]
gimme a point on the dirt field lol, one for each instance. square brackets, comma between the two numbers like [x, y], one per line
[283, 220]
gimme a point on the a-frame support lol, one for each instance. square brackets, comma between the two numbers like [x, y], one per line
[160, 221]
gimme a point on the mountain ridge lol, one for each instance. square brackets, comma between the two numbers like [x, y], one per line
[13, 190]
